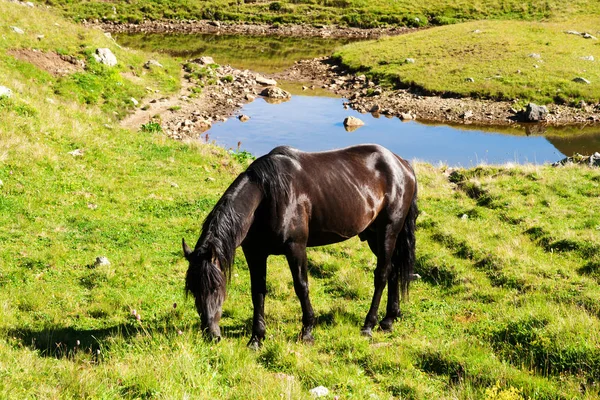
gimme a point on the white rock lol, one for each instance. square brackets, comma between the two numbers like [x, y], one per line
[101, 261]
[17, 30]
[152, 63]
[588, 58]
[5, 92]
[409, 61]
[353, 121]
[319, 391]
[29, 4]
[588, 36]
[469, 80]
[105, 56]
[261, 80]
[76, 153]
[535, 55]
[134, 101]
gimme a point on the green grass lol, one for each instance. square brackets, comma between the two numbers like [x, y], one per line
[509, 297]
[359, 13]
[498, 58]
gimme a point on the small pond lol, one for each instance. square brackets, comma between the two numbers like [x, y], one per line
[313, 122]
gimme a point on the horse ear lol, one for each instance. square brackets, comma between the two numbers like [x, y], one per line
[186, 249]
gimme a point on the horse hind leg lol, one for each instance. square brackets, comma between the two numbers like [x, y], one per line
[386, 241]
[402, 273]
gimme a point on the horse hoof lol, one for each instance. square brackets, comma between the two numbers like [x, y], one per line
[308, 338]
[366, 332]
[386, 326]
[254, 344]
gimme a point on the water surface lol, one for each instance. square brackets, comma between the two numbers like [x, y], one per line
[314, 122]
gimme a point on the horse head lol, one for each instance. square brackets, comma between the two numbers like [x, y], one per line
[207, 282]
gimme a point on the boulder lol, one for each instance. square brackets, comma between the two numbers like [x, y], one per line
[274, 92]
[152, 63]
[595, 160]
[534, 113]
[5, 92]
[261, 80]
[105, 56]
[243, 118]
[353, 121]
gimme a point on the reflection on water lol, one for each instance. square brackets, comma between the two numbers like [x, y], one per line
[265, 54]
[316, 123]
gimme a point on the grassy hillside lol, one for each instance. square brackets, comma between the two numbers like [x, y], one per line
[360, 13]
[506, 60]
[508, 306]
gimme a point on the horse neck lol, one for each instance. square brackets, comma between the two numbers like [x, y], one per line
[228, 223]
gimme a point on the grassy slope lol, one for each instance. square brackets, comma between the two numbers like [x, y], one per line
[360, 13]
[499, 59]
[509, 296]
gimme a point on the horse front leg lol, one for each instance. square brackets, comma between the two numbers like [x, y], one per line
[257, 265]
[386, 243]
[296, 257]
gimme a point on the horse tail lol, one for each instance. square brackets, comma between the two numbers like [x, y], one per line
[404, 254]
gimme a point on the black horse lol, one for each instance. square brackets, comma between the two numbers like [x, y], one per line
[288, 200]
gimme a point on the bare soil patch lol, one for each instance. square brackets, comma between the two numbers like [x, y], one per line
[55, 64]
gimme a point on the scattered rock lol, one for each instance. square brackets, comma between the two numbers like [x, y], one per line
[353, 121]
[535, 113]
[261, 80]
[579, 79]
[573, 33]
[467, 114]
[243, 118]
[152, 63]
[18, 30]
[204, 60]
[40, 37]
[469, 79]
[591, 161]
[588, 36]
[535, 55]
[587, 58]
[5, 92]
[274, 92]
[134, 101]
[105, 56]
[406, 116]
[409, 61]
[101, 261]
[476, 31]
[319, 391]
[76, 153]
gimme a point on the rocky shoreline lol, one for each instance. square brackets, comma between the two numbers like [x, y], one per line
[224, 28]
[212, 93]
[367, 96]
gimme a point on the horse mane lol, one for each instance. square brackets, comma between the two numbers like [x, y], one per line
[223, 224]
[270, 172]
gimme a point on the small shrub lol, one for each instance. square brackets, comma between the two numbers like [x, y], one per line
[151, 127]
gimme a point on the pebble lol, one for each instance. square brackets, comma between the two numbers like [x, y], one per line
[319, 391]
[103, 261]
[5, 92]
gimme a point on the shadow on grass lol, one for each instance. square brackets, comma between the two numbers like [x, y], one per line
[66, 342]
